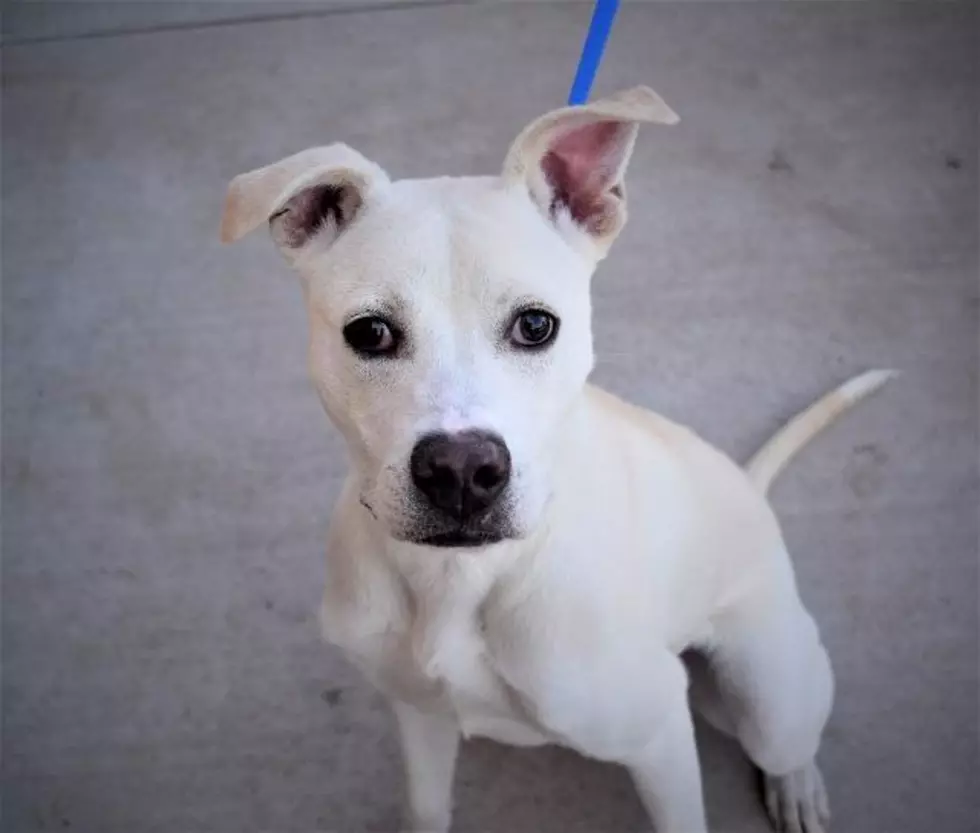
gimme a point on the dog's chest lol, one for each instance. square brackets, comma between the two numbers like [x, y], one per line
[450, 651]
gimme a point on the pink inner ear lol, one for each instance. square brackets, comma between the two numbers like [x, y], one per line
[581, 166]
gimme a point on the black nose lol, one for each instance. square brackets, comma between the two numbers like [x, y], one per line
[461, 474]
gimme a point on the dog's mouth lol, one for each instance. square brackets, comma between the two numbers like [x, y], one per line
[439, 533]
[459, 538]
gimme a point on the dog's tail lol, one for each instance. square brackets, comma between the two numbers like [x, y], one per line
[771, 459]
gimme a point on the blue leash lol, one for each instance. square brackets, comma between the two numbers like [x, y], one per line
[595, 42]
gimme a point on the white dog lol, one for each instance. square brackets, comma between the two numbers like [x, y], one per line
[517, 554]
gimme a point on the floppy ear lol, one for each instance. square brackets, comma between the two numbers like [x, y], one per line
[315, 193]
[572, 160]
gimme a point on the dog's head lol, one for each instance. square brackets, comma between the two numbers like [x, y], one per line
[449, 319]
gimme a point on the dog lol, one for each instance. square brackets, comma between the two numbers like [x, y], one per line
[517, 554]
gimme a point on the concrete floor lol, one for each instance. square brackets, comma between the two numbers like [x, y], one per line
[167, 472]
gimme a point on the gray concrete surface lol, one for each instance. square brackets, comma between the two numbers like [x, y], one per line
[167, 472]
[32, 21]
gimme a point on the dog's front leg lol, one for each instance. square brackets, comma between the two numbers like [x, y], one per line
[667, 773]
[429, 742]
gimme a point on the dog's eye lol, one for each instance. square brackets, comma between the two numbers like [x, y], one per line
[533, 328]
[371, 336]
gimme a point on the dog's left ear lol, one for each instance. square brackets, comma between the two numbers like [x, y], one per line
[312, 195]
[572, 161]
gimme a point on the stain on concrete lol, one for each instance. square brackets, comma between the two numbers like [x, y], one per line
[953, 162]
[865, 470]
[871, 450]
[778, 163]
[122, 573]
[332, 696]
[97, 404]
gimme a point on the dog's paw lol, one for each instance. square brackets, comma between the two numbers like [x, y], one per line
[797, 803]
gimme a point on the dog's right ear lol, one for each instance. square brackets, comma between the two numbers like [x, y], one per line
[316, 193]
[572, 161]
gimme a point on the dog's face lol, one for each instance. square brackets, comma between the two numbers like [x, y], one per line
[449, 308]
[449, 319]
